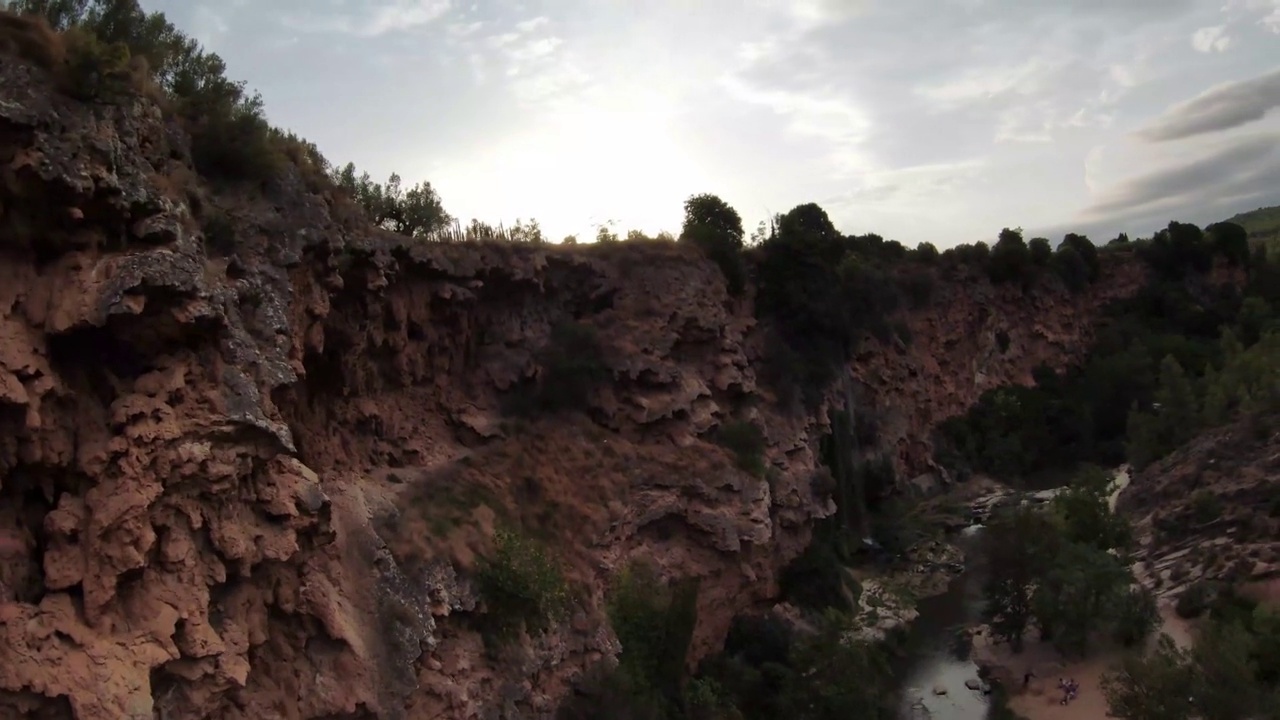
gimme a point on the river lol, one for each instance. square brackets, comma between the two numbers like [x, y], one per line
[936, 658]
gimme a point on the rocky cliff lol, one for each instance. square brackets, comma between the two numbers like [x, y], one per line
[1211, 511]
[250, 448]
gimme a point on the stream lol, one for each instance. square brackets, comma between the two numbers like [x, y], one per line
[935, 659]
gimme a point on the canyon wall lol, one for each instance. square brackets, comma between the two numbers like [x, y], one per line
[251, 449]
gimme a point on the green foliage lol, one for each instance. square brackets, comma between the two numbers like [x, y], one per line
[1195, 600]
[654, 624]
[715, 228]
[98, 70]
[1151, 686]
[571, 367]
[926, 253]
[522, 587]
[1010, 258]
[1064, 568]
[746, 440]
[1230, 672]
[416, 212]
[1040, 251]
[771, 672]
[1205, 506]
[822, 291]
[1085, 516]
[1231, 241]
[1136, 617]
[1018, 545]
[230, 137]
[1177, 357]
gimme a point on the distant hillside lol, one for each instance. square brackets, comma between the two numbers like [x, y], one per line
[1263, 224]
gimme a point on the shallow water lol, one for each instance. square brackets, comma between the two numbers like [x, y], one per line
[936, 658]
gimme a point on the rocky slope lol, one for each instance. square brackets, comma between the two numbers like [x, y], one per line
[251, 448]
[1211, 511]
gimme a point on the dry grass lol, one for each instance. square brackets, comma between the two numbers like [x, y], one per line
[80, 64]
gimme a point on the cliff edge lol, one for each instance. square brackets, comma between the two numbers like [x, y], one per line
[252, 448]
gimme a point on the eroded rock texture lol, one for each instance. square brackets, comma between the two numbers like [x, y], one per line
[250, 448]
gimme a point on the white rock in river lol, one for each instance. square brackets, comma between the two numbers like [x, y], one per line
[939, 690]
[973, 684]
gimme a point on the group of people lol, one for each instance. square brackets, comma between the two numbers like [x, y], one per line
[1069, 688]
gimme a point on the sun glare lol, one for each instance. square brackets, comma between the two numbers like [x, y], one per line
[617, 161]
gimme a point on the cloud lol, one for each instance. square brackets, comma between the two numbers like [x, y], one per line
[1221, 107]
[1212, 39]
[377, 19]
[1265, 13]
[1235, 173]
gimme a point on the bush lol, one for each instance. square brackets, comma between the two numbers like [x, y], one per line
[917, 286]
[571, 367]
[1136, 616]
[1194, 600]
[112, 46]
[96, 70]
[746, 440]
[654, 623]
[1205, 507]
[521, 588]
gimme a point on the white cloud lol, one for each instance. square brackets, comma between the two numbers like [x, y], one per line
[380, 19]
[827, 116]
[1212, 39]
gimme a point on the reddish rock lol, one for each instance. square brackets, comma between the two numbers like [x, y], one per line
[255, 485]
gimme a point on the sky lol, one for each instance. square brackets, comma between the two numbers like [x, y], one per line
[921, 120]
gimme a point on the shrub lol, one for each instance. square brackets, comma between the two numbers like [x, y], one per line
[1205, 507]
[1194, 600]
[219, 235]
[521, 587]
[746, 440]
[1136, 616]
[31, 37]
[654, 623]
[571, 366]
[917, 286]
[96, 70]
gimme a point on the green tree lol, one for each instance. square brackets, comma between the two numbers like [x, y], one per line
[1040, 251]
[837, 677]
[654, 623]
[1077, 596]
[527, 232]
[1010, 258]
[1017, 545]
[604, 235]
[1224, 686]
[1231, 241]
[1085, 513]
[1172, 419]
[715, 228]
[417, 212]
[1151, 686]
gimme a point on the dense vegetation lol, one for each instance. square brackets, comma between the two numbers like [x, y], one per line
[1232, 670]
[1066, 570]
[1181, 355]
[768, 670]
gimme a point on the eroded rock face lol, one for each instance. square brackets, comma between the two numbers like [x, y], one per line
[251, 482]
[1210, 511]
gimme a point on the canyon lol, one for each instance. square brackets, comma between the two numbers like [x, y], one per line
[252, 448]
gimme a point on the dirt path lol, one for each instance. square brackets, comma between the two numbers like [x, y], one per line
[1042, 699]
